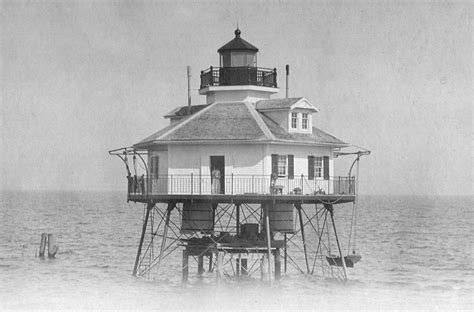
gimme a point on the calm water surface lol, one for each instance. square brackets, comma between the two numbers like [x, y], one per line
[417, 254]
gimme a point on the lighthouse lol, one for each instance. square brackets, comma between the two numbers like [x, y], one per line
[236, 181]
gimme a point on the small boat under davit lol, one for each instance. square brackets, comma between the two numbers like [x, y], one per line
[350, 260]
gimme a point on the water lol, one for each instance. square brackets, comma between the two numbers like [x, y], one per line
[417, 254]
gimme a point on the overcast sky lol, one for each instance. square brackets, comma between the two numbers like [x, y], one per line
[80, 78]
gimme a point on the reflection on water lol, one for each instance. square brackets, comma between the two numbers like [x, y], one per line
[417, 254]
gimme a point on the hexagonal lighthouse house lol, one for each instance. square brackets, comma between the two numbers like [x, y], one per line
[245, 159]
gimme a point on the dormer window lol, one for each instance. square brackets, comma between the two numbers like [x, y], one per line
[294, 120]
[304, 121]
[295, 115]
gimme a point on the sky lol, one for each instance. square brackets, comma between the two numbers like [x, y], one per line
[79, 78]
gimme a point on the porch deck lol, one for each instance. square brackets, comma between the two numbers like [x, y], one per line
[243, 198]
[245, 189]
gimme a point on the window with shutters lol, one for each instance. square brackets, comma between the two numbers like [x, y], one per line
[282, 165]
[304, 121]
[155, 161]
[294, 120]
[318, 167]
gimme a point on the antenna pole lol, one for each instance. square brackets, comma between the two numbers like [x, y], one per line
[287, 74]
[189, 89]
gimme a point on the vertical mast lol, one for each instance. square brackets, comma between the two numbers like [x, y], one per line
[189, 89]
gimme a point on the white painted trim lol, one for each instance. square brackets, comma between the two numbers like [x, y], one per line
[206, 90]
[308, 105]
[231, 142]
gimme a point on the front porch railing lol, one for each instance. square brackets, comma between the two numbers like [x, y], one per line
[195, 184]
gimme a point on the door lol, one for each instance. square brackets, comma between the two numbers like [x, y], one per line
[217, 174]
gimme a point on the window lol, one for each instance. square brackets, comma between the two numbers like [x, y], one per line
[154, 166]
[294, 120]
[282, 165]
[304, 121]
[318, 167]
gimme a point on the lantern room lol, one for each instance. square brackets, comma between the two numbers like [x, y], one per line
[238, 78]
[238, 53]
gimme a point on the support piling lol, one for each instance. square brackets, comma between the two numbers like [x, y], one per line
[269, 242]
[331, 213]
[300, 215]
[142, 237]
[165, 233]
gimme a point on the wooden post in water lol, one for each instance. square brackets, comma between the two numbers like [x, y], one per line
[219, 264]
[237, 266]
[237, 233]
[210, 263]
[44, 237]
[277, 264]
[243, 267]
[285, 255]
[185, 266]
[200, 265]
[263, 268]
[269, 241]
[52, 247]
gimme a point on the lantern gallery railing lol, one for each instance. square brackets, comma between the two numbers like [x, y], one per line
[239, 76]
[194, 184]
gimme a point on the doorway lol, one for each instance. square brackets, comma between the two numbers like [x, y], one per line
[217, 174]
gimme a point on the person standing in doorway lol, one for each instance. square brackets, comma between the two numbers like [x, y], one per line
[216, 181]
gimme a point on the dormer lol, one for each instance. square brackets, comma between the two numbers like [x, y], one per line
[295, 115]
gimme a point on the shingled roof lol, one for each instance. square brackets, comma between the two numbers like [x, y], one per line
[183, 110]
[231, 122]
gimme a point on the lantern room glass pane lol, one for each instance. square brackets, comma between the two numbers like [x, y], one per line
[239, 59]
[225, 59]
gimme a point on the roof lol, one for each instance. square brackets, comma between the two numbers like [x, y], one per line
[231, 122]
[284, 103]
[183, 111]
[238, 44]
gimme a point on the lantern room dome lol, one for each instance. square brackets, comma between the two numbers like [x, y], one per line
[238, 53]
[237, 44]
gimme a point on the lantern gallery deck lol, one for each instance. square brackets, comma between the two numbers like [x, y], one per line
[234, 76]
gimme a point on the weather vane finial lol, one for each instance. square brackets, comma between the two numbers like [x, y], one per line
[237, 30]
